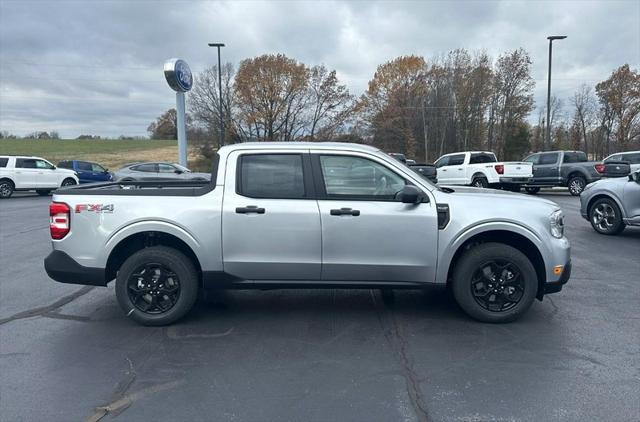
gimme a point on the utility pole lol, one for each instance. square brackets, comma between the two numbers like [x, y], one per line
[547, 143]
[219, 45]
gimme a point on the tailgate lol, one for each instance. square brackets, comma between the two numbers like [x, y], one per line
[516, 169]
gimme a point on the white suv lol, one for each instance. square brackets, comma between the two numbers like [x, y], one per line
[32, 173]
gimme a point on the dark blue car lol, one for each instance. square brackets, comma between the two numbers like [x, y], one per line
[87, 171]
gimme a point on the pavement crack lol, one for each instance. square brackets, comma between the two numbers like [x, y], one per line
[43, 310]
[394, 334]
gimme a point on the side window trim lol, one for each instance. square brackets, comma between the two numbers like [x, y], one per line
[321, 190]
[307, 176]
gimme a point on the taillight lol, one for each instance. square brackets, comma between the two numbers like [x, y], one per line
[59, 220]
[499, 168]
[599, 168]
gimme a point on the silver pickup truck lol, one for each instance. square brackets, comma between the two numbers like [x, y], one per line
[299, 215]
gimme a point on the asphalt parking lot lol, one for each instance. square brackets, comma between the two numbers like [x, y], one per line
[67, 353]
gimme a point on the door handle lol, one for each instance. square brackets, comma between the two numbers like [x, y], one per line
[345, 211]
[443, 170]
[250, 209]
[460, 169]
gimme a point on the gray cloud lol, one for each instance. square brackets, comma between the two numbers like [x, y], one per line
[96, 67]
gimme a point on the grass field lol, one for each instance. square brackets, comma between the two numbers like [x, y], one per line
[111, 153]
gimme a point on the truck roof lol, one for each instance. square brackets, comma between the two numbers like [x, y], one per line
[300, 145]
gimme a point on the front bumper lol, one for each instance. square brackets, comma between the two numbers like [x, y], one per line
[556, 286]
[64, 269]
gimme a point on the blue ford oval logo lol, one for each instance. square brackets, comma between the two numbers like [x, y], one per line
[178, 75]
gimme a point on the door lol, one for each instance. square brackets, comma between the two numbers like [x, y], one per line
[631, 199]
[26, 173]
[546, 170]
[85, 172]
[451, 167]
[99, 173]
[270, 221]
[47, 177]
[144, 171]
[168, 171]
[367, 234]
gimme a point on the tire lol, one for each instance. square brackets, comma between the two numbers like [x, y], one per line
[605, 217]
[43, 192]
[68, 182]
[576, 185]
[161, 306]
[480, 297]
[532, 191]
[480, 182]
[6, 189]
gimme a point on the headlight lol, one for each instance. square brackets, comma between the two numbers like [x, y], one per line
[556, 223]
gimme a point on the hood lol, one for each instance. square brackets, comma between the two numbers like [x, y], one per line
[609, 182]
[495, 194]
[193, 175]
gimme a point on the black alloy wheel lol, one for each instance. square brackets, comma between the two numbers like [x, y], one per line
[497, 285]
[153, 288]
[605, 217]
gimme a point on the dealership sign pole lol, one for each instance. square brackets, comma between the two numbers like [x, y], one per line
[179, 78]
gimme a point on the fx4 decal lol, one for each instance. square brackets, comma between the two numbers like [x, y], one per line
[97, 208]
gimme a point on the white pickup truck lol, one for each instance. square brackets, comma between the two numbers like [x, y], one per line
[19, 173]
[481, 169]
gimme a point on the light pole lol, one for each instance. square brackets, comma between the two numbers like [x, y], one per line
[218, 45]
[548, 137]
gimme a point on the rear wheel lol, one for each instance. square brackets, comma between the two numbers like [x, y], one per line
[480, 182]
[605, 217]
[6, 188]
[532, 191]
[157, 286]
[494, 282]
[43, 192]
[576, 185]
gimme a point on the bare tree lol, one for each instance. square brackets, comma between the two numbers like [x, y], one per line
[584, 105]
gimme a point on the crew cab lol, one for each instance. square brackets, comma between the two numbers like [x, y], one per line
[87, 171]
[301, 215]
[570, 169]
[21, 173]
[481, 169]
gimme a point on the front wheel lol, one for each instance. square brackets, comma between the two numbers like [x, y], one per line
[576, 185]
[605, 217]
[157, 286]
[68, 182]
[494, 282]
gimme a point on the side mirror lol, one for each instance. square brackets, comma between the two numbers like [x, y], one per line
[410, 195]
[176, 171]
[53, 167]
[634, 177]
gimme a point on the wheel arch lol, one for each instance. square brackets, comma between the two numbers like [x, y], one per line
[479, 173]
[578, 172]
[8, 179]
[519, 239]
[605, 196]
[130, 240]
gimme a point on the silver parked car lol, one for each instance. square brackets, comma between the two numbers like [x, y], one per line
[301, 215]
[157, 171]
[612, 204]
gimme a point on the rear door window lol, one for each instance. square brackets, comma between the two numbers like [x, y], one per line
[84, 166]
[479, 158]
[147, 168]
[277, 176]
[26, 163]
[4, 161]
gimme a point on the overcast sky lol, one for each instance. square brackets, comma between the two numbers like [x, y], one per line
[95, 67]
